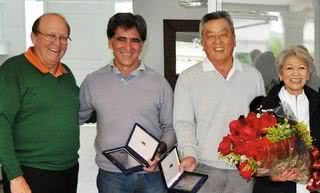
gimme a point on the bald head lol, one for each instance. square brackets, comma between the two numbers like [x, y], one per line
[50, 37]
[37, 23]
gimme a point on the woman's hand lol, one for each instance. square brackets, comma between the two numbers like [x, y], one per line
[287, 175]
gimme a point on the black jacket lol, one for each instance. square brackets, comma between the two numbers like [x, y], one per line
[272, 100]
[264, 184]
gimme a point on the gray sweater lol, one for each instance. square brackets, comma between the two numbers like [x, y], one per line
[144, 97]
[205, 103]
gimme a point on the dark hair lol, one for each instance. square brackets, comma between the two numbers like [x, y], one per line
[127, 21]
[36, 24]
[216, 15]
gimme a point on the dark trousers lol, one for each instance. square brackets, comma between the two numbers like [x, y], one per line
[265, 185]
[47, 181]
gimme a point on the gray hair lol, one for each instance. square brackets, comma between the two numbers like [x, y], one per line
[214, 16]
[296, 51]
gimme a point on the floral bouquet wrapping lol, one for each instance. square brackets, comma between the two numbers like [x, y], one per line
[263, 144]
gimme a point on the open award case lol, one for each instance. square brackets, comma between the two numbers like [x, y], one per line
[140, 147]
[180, 181]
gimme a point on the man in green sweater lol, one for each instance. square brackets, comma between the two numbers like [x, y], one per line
[39, 129]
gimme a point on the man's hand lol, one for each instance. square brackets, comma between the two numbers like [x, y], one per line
[287, 175]
[188, 164]
[19, 185]
[153, 164]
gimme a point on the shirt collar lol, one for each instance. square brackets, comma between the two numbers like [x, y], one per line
[35, 61]
[111, 67]
[296, 104]
[208, 66]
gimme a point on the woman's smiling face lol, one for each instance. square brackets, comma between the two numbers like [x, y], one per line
[295, 74]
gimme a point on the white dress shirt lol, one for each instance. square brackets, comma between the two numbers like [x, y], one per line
[299, 105]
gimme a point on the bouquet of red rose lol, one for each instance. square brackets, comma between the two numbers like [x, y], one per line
[262, 144]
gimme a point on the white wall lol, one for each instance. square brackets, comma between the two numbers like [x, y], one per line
[88, 50]
[154, 11]
[13, 27]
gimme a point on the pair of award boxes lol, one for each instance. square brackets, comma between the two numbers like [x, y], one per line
[141, 147]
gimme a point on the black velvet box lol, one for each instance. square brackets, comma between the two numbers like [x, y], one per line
[180, 181]
[140, 147]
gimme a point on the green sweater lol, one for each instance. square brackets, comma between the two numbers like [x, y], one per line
[39, 124]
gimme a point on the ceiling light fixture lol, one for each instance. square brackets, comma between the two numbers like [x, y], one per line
[193, 3]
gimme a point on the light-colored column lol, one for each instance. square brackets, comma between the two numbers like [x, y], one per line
[214, 5]
[3, 42]
[293, 24]
[12, 28]
[316, 5]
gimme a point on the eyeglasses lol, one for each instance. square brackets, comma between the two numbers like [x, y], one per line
[53, 37]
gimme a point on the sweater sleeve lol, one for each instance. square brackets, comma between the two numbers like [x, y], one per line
[184, 119]
[166, 116]
[9, 107]
[86, 107]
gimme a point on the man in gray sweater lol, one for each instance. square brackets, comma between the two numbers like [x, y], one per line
[122, 93]
[207, 97]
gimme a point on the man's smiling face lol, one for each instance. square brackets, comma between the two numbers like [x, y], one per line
[218, 41]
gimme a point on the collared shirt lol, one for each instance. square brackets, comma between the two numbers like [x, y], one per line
[205, 103]
[299, 105]
[143, 97]
[35, 61]
[208, 66]
[136, 72]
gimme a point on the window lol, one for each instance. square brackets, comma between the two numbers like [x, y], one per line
[308, 35]
[123, 6]
[33, 9]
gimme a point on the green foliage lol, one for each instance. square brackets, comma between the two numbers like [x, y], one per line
[280, 132]
[275, 46]
[304, 133]
[243, 57]
[284, 130]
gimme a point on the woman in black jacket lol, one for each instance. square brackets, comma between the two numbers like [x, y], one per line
[294, 71]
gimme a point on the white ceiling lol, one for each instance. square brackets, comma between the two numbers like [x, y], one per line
[266, 2]
[294, 5]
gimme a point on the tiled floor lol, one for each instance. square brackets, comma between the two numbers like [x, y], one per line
[88, 168]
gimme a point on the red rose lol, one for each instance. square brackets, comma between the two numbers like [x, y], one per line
[251, 117]
[245, 170]
[264, 141]
[235, 140]
[247, 133]
[251, 149]
[239, 149]
[260, 146]
[266, 120]
[234, 126]
[253, 120]
[242, 148]
[225, 146]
